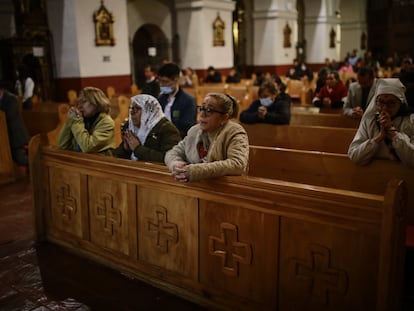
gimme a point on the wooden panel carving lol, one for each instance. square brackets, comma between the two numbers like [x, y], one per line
[230, 249]
[65, 198]
[167, 230]
[108, 206]
[237, 247]
[318, 274]
[323, 279]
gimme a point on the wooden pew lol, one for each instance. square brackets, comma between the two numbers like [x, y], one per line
[40, 121]
[234, 243]
[329, 170]
[323, 119]
[7, 167]
[318, 138]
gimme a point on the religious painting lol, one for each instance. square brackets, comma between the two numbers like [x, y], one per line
[104, 21]
[218, 31]
[287, 31]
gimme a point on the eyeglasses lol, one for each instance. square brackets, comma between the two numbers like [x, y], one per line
[134, 109]
[388, 104]
[209, 111]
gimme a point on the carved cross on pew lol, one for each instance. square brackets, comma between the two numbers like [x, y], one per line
[66, 202]
[108, 214]
[166, 232]
[323, 279]
[230, 249]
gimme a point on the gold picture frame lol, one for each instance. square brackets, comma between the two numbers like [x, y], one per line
[104, 31]
[218, 31]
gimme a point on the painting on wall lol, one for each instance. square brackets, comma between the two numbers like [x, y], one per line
[218, 31]
[104, 22]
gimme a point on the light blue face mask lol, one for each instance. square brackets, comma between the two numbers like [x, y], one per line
[166, 89]
[267, 101]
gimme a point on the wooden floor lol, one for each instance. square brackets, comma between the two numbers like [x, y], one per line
[45, 277]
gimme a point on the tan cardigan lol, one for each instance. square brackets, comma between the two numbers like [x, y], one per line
[228, 153]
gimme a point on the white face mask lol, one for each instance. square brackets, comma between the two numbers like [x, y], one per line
[267, 101]
[166, 89]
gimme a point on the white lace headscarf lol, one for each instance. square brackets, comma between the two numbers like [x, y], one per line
[150, 116]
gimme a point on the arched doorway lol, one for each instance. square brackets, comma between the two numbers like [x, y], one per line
[150, 47]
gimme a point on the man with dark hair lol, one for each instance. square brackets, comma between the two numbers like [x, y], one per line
[151, 85]
[213, 76]
[179, 107]
[360, 93]
[18, 135]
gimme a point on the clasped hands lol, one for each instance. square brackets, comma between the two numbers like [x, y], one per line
[262, 110]
[181, 172]
[386, 127]
[131, 141]
[73, 112]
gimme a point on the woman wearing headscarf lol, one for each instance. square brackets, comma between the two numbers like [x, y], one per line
[89, 128]
[148, 134]
[216, 146]
[388, 133]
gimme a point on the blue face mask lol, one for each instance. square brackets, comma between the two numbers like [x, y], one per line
[166, 89]
[267, 101]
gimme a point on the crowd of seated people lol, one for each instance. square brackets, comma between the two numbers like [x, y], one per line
[165, 128]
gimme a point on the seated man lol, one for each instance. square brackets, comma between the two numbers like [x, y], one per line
[179, 107]
[360, 93]
[151, 85]
[332, 94]
[18, 135]
[213, 76]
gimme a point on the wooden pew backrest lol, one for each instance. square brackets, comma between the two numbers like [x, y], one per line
[329, 170]
[211, 241]
[317, 138]
[323, 119]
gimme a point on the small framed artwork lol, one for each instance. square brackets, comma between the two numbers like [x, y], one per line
[104, 22]
[218, 31]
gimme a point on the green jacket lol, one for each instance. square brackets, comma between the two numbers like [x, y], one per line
[162, 138]
[100, 138]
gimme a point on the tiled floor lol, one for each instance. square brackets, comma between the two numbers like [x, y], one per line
[45, 277]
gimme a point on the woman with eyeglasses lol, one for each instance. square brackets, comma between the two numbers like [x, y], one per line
[89, 128]
[148, 134]
[216, 146]
[272, 106]
[388, 133]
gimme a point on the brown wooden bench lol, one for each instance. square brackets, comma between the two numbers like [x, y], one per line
[40, 121]
[323, 119]
[233, 243]
[318, 138]
[7, 166]
[329, 170]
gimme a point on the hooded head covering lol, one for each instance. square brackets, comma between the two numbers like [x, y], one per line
[151, 114]
[392, 86]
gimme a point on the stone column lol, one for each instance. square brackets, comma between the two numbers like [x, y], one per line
[195, 25]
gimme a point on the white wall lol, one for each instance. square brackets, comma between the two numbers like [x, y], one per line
[73, 30]
[195, 26]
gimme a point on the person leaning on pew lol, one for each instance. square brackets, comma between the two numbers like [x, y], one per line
[272, 106]
[89, 128]
[388, 131]
[216, 146]
[148, 134]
